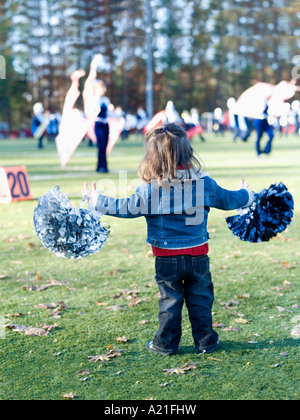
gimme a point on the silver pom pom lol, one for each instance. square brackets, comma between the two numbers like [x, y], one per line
[67, 231]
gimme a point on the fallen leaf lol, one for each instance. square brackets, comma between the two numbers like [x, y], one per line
[57, 307]
[31, 331]
[286, 265]
[122, 339]
[281, 309]
[51, 283]
[101, 303]
[217, 325]
[177, 371]
[244, 296]
[229, 305]
[84, 372]
[17, 315]
[232, 329]
[137, 301]
[69, 396]
[242, 321]
[10, 239]
[36, 332]
[46, 305]
[106, 357]
[48, 327]
[181, 370]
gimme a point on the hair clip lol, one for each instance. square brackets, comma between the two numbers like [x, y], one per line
[164, 130]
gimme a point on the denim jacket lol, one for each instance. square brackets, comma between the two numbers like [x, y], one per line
[176, 212]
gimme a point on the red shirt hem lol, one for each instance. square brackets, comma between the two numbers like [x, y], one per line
[195, 251]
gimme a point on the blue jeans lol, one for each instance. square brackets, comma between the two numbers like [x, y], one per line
[102, 134]
[184, 278]
[262, 126]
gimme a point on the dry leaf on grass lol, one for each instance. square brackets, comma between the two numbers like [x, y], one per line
[244, 296]
[137, 301]
[232, 329]
[69, 396]
[123, 339]
[181, 370]
[281, 309]
[242, 321]
[17, 315]
[106, 357]
[84, 372]
[31, 331]
[52, 283]
[217, 325]
[57, 307]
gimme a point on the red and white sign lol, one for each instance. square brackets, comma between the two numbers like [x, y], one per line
[14, 184]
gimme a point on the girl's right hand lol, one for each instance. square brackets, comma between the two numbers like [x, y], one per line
[91, 196]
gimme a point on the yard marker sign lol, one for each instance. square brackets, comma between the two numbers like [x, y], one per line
[14, 184]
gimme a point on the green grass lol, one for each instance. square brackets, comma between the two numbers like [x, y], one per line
[48, 367]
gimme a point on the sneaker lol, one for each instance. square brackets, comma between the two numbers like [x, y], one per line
[151, 347]
[209, 349]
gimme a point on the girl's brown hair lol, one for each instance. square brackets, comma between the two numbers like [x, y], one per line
[167, 147]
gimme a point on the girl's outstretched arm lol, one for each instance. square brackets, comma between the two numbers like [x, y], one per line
[135, 206]
[223, 199]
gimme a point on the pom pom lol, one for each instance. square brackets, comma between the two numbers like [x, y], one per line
[67, 231]
[269, 214]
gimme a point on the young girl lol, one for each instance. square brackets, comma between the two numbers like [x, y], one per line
[175, 199]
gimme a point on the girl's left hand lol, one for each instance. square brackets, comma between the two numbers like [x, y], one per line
[243, 185]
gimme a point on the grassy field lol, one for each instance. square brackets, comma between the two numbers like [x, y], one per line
[110, 299]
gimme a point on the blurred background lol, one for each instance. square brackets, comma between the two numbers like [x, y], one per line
[198, 52]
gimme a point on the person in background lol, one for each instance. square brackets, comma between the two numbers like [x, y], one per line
[263, 126]
[52, 129]
[101, 125]
[37, 120]
[142, 119]
[172, 115]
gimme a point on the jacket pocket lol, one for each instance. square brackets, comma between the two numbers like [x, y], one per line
[166, 268]
[201, 266]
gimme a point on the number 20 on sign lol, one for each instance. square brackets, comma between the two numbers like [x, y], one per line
[14, 184]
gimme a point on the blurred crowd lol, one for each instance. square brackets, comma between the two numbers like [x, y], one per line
[218, 121]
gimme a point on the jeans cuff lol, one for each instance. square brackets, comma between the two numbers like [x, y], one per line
[165, 351]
